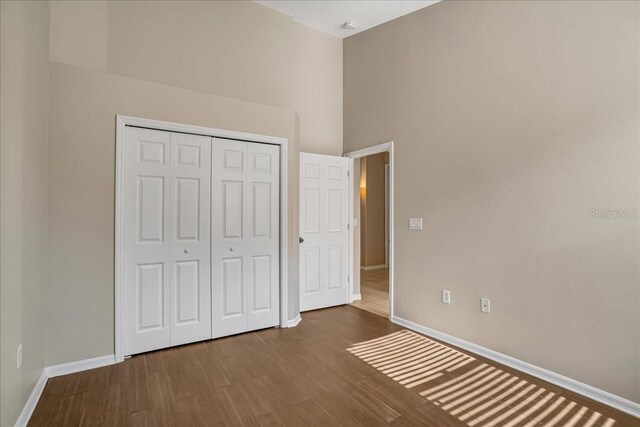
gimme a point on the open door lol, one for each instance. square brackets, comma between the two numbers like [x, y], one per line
[324, 231]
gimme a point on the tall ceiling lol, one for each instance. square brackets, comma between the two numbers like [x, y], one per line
[330, 16]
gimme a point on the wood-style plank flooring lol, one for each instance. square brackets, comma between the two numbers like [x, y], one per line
[374, 292]
[322, 372]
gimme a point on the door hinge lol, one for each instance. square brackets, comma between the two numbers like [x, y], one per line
[348, 226]
[348, 173]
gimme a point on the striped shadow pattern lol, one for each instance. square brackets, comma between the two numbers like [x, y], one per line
[476, 393]
[409, 358]
[488, 396]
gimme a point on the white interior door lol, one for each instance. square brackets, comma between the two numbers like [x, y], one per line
[245, 230]
[167, 239]
[324, 219]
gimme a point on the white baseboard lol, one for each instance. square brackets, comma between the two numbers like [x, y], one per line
[27, 411]
[373, 267]
[586, 390]
[356, 297]
[292, 323]
[55, 371]
[80, 365]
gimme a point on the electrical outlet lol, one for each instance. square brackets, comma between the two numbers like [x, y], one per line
[485, 305]
[446, 296]
[19, 357]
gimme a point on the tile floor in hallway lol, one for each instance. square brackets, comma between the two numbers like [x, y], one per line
[374, 289]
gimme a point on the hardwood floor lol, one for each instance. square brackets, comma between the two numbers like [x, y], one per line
[333, 369]
[374, 292]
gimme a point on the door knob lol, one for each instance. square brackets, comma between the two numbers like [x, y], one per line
[186, 251]
[300, 240]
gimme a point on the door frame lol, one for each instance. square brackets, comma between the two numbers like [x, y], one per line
[386, 214]
[357, 154]
[122, 122]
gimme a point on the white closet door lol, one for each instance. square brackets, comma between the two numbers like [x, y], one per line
[167, 285]
[147, 261]
[228, 226]
[245, 246]
[324, 218]
[263, 249]
[191, 211]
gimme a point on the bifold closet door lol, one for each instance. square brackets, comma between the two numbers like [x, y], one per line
[167, 239]
[245, 221]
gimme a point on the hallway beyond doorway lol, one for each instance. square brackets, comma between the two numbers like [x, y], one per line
[374, 290]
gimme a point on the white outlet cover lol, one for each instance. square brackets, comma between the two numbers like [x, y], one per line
[415, 223]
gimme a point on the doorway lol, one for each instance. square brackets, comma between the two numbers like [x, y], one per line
[372, 233]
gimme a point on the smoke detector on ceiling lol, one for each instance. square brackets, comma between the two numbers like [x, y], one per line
[349, 25]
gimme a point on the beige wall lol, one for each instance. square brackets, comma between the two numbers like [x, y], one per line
[512, 122]
[83, 108]
[372, 210]
[238, 49]
[232, 65]
[23, 165]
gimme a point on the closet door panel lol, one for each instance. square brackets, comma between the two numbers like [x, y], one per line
[263, 179]
[188, 199]
[191, 238]
[187, 292]
[148, 264]
[232, 288]
[228, 225]
[246, 234]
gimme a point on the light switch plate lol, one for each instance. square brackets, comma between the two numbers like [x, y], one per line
[446, 296]
[355, 222]
[19, 357]
[415, 223]
[485, 305]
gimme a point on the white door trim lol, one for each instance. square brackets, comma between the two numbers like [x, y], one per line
[352, 195]
[386, 216]
[375, 149]
[121, 123]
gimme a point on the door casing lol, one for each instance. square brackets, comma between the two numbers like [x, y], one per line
[122, 122]
[357, 154]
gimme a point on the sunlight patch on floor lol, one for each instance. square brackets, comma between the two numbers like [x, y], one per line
[409, 358]
[474, 392]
